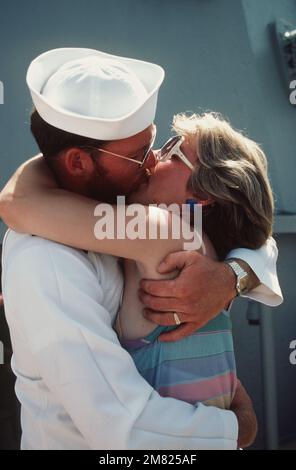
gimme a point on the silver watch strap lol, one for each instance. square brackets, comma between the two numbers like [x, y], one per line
[240, 274]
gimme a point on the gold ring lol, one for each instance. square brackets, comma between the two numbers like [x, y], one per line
[177, 319]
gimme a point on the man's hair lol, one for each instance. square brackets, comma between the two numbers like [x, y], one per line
[231, 169]
[51, 140]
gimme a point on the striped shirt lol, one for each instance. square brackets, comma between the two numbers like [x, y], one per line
[198, 368]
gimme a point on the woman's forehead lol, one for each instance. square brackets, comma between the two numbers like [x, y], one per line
[189, 147]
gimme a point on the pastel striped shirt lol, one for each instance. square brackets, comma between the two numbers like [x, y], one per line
[199, 368]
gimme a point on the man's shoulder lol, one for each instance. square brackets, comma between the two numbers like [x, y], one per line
[14, 244]
[34, 255]
[39, 254]
[37, 267]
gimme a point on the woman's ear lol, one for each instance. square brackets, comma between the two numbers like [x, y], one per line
[204, 202]
[78, 162]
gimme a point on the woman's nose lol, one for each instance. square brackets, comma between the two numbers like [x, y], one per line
[151, 161]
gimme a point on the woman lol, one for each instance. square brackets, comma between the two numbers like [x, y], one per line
[210, 163]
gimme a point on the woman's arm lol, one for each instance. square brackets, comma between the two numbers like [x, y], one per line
[31, 176]
[31, 202]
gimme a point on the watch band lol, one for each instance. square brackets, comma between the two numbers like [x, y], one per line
[241, 277]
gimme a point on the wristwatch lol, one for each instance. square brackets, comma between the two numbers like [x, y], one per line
[241, 277]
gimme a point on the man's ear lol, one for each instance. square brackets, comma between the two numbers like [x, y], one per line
[78, 162]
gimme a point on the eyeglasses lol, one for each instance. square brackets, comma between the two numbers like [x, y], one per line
[172, 147]
[140, 162]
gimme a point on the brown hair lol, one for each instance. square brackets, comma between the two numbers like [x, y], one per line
[232, 170]
[51, 140]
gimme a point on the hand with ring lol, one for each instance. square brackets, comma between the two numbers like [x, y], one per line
[202, 289]
[177, 319]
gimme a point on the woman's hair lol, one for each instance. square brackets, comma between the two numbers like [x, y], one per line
[232, 170]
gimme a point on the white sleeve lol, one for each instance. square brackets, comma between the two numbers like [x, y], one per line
[81, 361]
[263, 263]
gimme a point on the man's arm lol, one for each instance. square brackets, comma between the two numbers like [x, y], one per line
[205, 287]
[246, 416]
[58, 301]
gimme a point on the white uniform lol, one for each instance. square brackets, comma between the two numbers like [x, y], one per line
[78, 388]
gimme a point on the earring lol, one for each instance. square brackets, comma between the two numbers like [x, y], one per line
[191, 203]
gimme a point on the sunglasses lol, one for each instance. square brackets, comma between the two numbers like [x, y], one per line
[139, 161]
[172, 147]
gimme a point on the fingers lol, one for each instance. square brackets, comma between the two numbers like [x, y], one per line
[1, 300]
[168, 319]
[159, 288]
[179, 333]
[162, 304]
[172, 261]
[178, 261]
[163, 319]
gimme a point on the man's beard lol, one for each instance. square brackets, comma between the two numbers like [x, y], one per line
[105, 193]
[103, 190]
[140, 195]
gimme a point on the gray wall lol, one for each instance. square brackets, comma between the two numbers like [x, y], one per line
[218, 56]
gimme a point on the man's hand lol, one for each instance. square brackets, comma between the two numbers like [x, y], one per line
[247, 422]
[203, 288]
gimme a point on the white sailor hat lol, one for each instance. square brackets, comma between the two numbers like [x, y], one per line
[94, 94]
